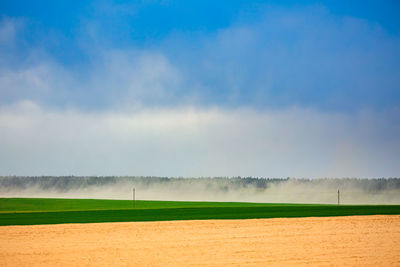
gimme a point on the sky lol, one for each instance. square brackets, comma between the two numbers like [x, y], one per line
[200, 88]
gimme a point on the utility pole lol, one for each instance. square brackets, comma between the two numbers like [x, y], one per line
[133, 194]
[338, 197]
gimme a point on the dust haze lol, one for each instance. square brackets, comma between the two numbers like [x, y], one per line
[352, 190]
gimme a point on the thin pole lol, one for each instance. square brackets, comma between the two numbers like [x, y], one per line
[338, 197]
[133, 197]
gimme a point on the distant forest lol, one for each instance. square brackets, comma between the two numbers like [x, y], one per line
[66, 183]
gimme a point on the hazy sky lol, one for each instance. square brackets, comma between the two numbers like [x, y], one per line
[200, 88]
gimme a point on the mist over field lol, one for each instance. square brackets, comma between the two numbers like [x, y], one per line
[352, 190]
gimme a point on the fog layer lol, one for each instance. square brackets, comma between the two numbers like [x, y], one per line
[352, 191]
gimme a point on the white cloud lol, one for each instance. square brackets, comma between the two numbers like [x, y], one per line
[196, 142]
[135, 77]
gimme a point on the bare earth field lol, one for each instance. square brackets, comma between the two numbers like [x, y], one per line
[353, 240]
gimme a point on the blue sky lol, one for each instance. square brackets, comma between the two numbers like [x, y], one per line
[328, 55]
[330, 68]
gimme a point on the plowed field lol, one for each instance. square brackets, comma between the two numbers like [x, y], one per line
[352, 240]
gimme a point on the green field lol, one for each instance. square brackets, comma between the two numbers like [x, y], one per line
[63, 204]
[29, 211]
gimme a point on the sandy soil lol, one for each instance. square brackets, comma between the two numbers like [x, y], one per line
[356, 240]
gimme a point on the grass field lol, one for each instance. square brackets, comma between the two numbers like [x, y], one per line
[63, 204]
[29, 211]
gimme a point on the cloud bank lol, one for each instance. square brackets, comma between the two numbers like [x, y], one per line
[197, 142]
